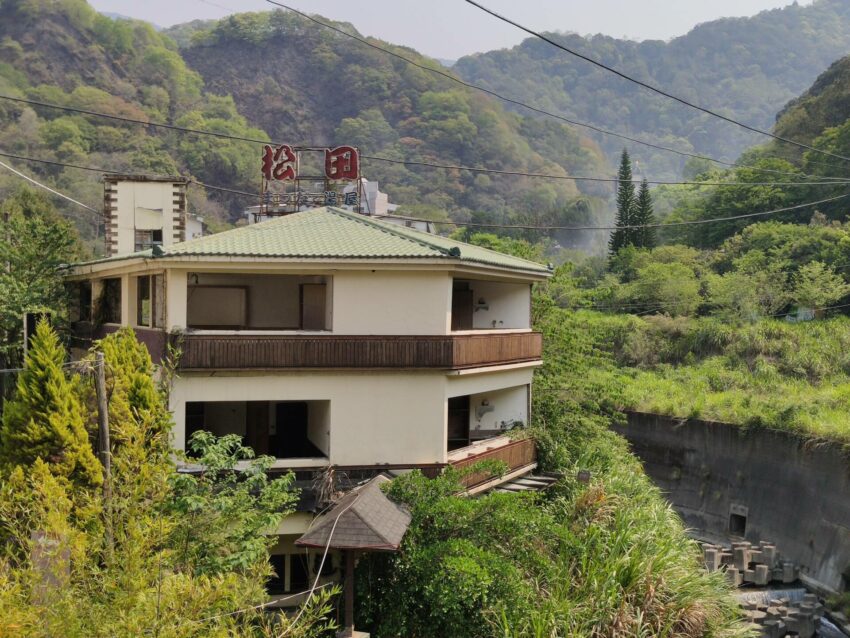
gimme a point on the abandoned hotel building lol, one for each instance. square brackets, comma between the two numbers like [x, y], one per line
[325, 338]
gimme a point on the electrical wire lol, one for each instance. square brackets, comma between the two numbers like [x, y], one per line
[648, 86]
[256, 607]
[324, 556]
[47, 188]
[832, 181]
[517, 102]
[613, 180]
[163, 125]
[695, 222]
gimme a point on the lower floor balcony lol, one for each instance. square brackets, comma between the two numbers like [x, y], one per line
[518, 454]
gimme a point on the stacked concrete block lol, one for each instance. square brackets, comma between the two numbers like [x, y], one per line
[748, 564]
[759, 565]
[780, 618]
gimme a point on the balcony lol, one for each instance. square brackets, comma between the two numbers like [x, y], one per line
[519, 455]
[279, 352]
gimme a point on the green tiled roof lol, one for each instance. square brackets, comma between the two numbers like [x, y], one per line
[322, 233]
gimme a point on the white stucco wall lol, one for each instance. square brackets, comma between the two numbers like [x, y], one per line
[509, 305]
[509, 406]
[391, 303]
[156, 199]
[374, 418]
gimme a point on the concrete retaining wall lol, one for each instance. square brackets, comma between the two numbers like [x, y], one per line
[782, 488]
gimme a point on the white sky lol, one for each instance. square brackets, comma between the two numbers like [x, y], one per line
[452, 28]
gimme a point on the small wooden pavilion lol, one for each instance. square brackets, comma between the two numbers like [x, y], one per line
[364, 520]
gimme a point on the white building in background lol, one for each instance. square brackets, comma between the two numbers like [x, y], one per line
[325, 338]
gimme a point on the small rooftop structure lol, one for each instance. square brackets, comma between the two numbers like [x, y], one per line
[364, 519]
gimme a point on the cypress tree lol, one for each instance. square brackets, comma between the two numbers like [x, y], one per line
[624, 236]
[644, 215]
[45, 420]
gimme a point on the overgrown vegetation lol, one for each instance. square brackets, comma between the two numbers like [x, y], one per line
[603, 558]
[165, 554]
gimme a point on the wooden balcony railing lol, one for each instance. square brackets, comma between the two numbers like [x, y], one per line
[83, 335]
[275, 352]
[515, 454]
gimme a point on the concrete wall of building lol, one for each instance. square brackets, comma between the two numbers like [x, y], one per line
[508, 305]
[374, 418]
[391, 303]
[794, 492]
[509, 406]
[146, 205]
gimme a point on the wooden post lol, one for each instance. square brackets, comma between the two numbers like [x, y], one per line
[104, 449]
[348, 630]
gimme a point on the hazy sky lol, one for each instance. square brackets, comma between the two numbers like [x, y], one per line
[452, 28]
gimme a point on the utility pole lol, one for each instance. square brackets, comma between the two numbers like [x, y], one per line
[104, 450]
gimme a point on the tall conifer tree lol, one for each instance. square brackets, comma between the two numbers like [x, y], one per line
[644, 215]
[624, 236]
[46, 420]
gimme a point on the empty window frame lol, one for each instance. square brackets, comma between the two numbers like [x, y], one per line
[150, 298]
[148, 238]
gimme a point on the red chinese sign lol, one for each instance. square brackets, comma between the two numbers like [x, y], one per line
[342, 162]
[279, 163]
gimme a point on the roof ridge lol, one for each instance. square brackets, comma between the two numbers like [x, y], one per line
[448, 252]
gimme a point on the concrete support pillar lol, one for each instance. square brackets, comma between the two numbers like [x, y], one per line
[176, 292]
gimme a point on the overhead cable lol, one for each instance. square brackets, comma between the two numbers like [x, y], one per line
[514, 101]
[650, 87]
[694, 222]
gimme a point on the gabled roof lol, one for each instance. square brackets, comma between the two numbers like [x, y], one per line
[363, 519]
[333, 233]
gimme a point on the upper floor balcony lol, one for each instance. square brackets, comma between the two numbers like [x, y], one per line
[278, 352]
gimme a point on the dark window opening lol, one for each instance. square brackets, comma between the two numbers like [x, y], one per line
[461, 306]
[280, 430]
[737, 525]
[299, 577]
[147, 238]
[109, 305]
[276, 584]
[80, 298]
[458, 423]
[328, 569]
[144, 301]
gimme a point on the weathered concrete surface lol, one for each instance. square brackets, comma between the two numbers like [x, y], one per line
[793, 493]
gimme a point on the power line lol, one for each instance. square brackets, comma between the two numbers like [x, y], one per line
[474, 169]
[583, 178]
[130, 120]
[694, 222]
[517, 102]
[95, 169]
[648, 86]
[827, 180]
[47, 188]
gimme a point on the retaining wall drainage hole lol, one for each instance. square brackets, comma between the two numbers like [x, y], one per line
[737, 525]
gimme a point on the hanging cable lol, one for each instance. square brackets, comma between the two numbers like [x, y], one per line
[47, 188]
[517, 102]
[650, 87]
[695, 222]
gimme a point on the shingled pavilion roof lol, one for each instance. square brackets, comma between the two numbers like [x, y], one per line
[367, 520]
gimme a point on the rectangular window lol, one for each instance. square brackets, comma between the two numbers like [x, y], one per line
[150, 301]
[147, 238]
[144, 301]
[109, 305]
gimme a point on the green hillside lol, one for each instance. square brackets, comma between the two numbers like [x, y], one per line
[255, 75]
[744, 67]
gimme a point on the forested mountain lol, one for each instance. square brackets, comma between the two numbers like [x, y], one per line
[747, 68]
[260, 75]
